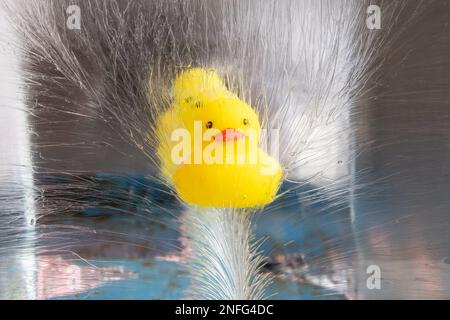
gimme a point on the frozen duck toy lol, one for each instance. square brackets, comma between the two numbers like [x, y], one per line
[209, 146]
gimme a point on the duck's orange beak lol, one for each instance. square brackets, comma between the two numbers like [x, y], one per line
[229, 135]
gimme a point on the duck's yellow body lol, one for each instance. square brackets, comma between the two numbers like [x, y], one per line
[209, 146]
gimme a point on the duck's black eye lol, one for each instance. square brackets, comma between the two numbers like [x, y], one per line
[246, 122]
[209, 124]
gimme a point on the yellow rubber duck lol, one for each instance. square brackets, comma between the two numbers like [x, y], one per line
[209, 146]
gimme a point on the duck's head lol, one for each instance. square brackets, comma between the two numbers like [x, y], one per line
[228, 118]
[202, 97]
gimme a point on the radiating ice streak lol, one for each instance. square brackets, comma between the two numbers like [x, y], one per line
[224, 260]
